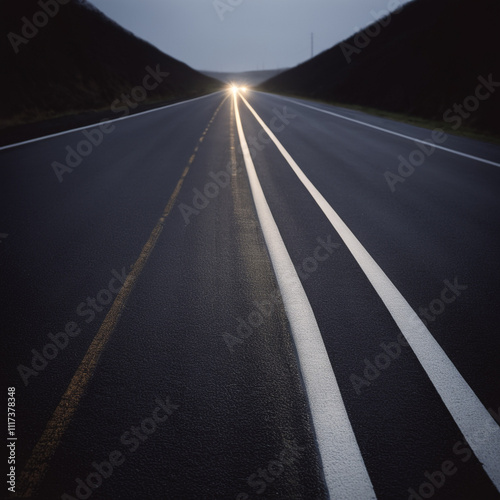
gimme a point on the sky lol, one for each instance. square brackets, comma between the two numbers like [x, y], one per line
[244, 35]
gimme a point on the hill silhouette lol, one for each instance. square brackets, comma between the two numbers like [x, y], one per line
[419, 61]
[78, 60]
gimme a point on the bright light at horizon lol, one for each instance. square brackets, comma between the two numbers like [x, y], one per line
[235, 89]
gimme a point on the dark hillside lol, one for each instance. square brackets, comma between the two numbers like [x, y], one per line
[80, 61]
[427, 57]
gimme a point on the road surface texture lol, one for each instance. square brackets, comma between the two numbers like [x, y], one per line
[246, 296]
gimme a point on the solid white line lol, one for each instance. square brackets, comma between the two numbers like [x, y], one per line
[462, 403]
[437, 146]
[345, 472]
[57, 134]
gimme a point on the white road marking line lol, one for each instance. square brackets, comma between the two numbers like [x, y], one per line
[345, 472]
[57, 134]
[413, 139]
[462, 403]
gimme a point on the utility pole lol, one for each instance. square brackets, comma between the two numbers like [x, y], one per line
[312, 45]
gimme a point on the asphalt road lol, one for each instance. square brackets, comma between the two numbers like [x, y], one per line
[310, 317]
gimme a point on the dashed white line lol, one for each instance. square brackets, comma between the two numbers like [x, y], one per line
[345, 471]
[461, 401]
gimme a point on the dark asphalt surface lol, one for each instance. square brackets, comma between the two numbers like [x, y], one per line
[238, 406]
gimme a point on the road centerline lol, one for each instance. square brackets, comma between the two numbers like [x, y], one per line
[39, 461]
[463, 404]
[345, 471]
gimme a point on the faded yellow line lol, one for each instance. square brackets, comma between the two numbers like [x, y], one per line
[44, 450]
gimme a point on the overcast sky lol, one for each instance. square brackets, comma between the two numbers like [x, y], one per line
[241, 35]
